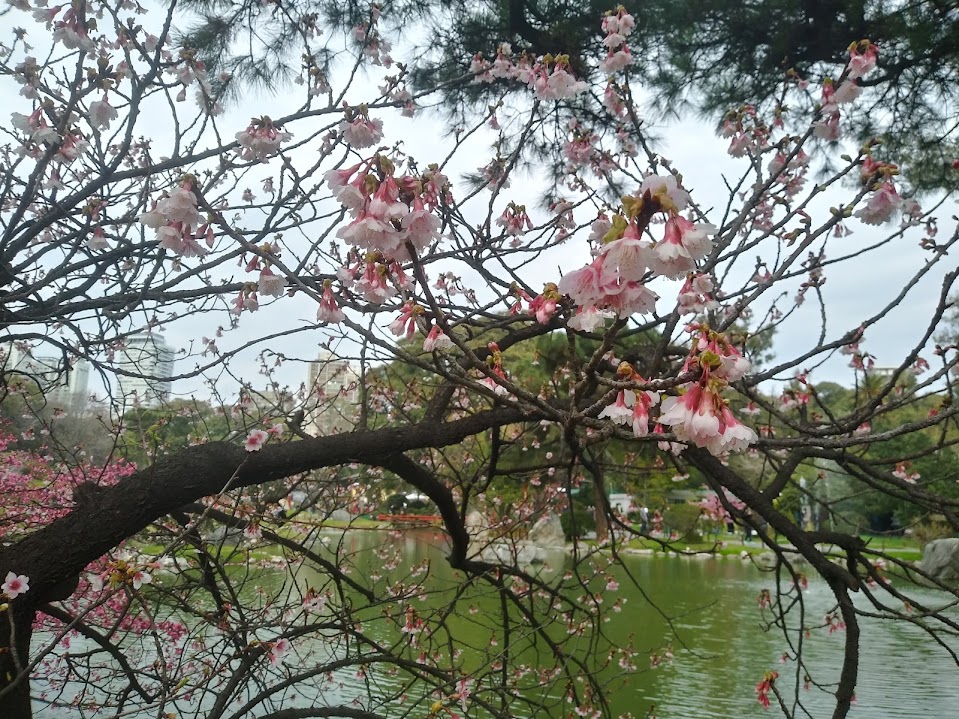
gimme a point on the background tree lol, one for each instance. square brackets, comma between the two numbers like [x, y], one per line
[705, 58]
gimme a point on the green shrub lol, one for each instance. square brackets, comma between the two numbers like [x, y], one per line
[683, 520]
[934, 527]
[583, 519]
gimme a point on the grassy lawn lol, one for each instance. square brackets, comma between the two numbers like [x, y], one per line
[355, 523]
[904, 548]
[724, 545]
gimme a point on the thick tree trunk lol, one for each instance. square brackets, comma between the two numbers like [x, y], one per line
[17, 623]
[602, 521]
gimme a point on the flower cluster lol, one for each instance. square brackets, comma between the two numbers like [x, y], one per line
[515, 221]
[631, 406]
[618, 26]
[268, 284]
[329, 310]
[188, 69]
[494, 364]
[178, 223]
[261, 140]
[695, 296]
[765, 686]
[905, 472]
[393, 216]
[580, 149]
[862, 59]
[746, 131]
[390, 213]
[700, 415]
[713, 506]
[615, 280]
[375, 46]
[358, 129]
[885, 199]
[549, 77]
[39, 134]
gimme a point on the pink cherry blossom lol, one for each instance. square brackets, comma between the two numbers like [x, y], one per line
[15, 584]
[140, 578]
[905, 472]
[329, 311]
[270, 284]
[370, 232]
[180, 206]
[701, 417]
[734, 436]
[422, 226]
[102, 113]
[255, 440]
[846, 92]
[583, 285]
[436, 340]
[740, 145]
[695, 295]
[278, 649]
[627, 258]
[479, 68]
[616, 60]
[543, 306]
[405, 324]
[666, 190]
[693, 415]
[862, 62]
[620, 411]
[579, 150]
[588, 318]
[828, 128]
[374, 281]
[557, 83]
[514, 219]
[613, 102]
[74, 145]
[35, 127]
[881, 205]
[628, 298]
[641, 406]
[361, 131]
[683, 244]
[261, 139]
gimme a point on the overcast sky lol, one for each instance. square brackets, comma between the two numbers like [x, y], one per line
[852, 291]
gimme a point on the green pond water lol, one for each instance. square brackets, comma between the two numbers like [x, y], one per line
[706, 609]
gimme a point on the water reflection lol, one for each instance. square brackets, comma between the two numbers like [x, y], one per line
[707, 610]
[704, 609]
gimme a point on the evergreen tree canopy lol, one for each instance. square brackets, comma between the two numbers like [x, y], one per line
[703, 56]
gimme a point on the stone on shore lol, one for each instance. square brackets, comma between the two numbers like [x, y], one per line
[940, 560]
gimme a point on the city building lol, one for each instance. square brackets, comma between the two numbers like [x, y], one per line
[333, 395]
[149, 360]
[61, 380]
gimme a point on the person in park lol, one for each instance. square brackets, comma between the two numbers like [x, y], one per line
[510, 342]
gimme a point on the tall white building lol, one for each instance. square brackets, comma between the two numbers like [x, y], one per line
[334, 392]
[63, 383]
[148, 357]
